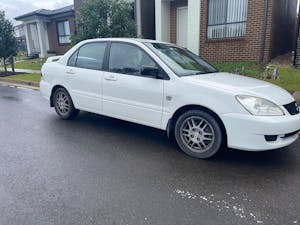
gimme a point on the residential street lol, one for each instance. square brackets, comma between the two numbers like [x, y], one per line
[97, 170]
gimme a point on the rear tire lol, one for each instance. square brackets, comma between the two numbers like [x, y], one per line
[63, 105]
[198, 134]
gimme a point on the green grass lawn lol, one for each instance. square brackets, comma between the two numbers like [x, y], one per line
[289, 77]
[26, 77]
[31, 64]
[252, 69]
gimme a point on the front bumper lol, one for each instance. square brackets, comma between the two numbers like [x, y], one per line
[247, 132]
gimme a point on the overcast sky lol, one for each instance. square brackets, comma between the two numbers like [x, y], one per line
[14, 8]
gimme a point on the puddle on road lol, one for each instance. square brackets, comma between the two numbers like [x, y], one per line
[11, 98]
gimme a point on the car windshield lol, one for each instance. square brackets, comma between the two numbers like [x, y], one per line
[181, 61]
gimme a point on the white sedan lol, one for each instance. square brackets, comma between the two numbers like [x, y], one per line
[167, 87]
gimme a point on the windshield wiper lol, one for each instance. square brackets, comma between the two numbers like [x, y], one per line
[197, 73]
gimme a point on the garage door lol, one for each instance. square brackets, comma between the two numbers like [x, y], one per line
[182, 23]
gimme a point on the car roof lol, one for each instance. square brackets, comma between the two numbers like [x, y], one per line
[140, 40]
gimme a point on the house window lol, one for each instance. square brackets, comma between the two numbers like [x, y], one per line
[64, 33]
[227, 18]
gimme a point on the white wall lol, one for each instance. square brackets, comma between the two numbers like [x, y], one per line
[194, 11]
[162, 20]
[36, 36]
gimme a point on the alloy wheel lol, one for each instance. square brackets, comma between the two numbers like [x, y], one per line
[197, 134]
[62, 103]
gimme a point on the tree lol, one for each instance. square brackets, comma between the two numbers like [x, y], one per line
[8, 42]
[104, 18]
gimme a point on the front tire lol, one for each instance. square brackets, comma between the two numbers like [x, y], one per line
[63, 104]
[198, 134]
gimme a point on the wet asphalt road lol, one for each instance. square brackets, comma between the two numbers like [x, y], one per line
[97, 170]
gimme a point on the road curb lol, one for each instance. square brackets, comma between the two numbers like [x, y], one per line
[23, 84]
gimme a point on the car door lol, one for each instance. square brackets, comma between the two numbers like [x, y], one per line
[127, 94]
[84, 76]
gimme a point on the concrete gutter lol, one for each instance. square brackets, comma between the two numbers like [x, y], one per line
[22, 70]
[18, 83]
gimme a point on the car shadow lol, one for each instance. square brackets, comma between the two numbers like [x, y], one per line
[155, 140]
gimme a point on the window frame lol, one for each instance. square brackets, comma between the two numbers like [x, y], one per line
[162, 72]
[77, 52]
[57, 31]
[224, 24]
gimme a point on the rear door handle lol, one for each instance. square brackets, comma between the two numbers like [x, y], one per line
[110, 78]
[70, 71]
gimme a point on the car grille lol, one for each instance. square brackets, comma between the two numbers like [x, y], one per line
[292, 108]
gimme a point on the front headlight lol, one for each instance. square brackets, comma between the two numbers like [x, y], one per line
[259, 106]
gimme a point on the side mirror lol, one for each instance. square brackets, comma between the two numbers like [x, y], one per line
[150, 71]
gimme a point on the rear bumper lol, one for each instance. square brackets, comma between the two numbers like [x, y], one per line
[248, 132]
[45, 89]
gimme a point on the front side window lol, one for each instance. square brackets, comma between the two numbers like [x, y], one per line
[89, 56]
[128, 59]
[181, 61]
[227, 18]
[64, 34]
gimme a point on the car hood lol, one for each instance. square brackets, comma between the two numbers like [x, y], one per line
[242, 85]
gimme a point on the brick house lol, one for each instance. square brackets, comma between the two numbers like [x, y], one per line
[48, 32]
[228, 30]
[218, 30]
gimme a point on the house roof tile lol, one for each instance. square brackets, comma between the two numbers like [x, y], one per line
[46, 12]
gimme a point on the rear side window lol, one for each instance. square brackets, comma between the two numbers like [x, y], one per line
[89, 56]
[72, 59]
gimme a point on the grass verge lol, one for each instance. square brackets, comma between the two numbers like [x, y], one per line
[289, 77]
[31, 64]
[26, 77]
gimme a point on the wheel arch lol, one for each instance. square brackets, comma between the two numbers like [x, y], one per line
[53, 91]
[183, 109]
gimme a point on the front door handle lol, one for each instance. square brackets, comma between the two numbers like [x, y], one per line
[110, 78]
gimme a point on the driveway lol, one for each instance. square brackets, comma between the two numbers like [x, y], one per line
[97, 170]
